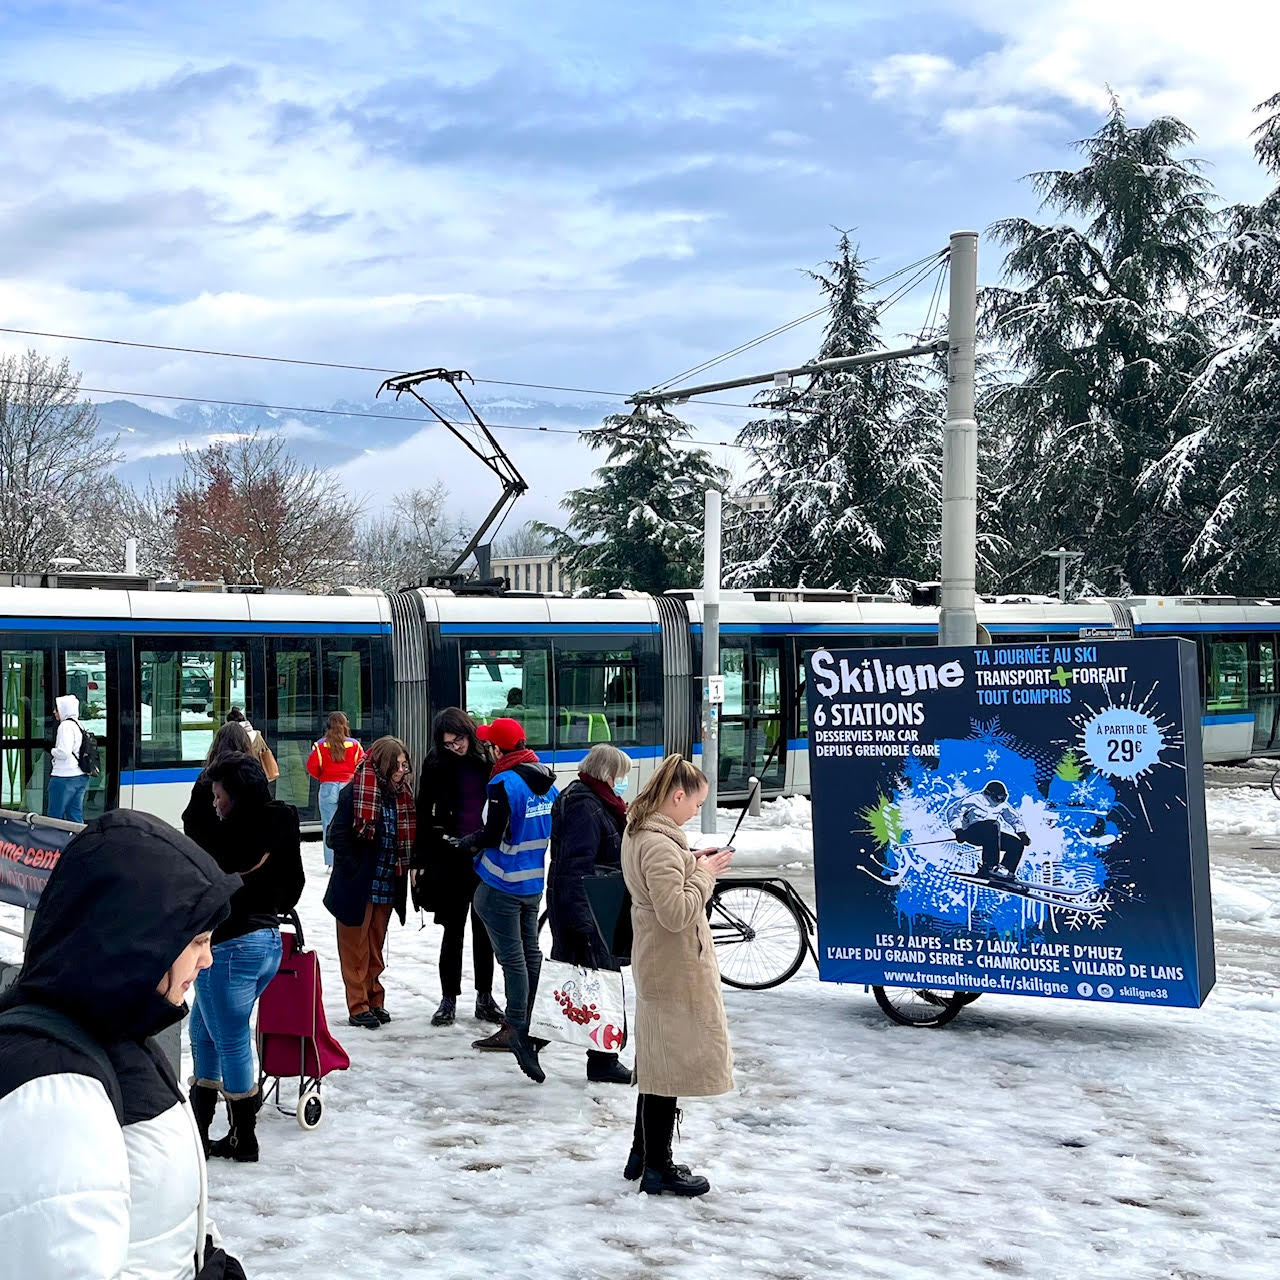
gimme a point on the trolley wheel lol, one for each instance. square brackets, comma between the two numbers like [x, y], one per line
[310, 1109]
[759, 937]
[917, 1007]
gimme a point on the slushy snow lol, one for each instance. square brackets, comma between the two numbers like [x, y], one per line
[1036, 1138]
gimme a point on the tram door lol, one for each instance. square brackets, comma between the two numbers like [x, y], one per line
[32, 674]
[1264, 697]
[751, 719]
[90, 675]
[26, 720]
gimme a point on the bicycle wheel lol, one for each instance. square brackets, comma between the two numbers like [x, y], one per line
[917, 1007]
[758, 934]
[1275, 784]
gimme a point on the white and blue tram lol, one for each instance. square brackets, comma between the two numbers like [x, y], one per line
[157, 670]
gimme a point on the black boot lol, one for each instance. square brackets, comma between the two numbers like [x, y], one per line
[204, 1104]
[526, 1053]
[604, 1068]
[661, 1175]
[635, 1158]
[487, 1009]
[241, 1143]
[444, 1015]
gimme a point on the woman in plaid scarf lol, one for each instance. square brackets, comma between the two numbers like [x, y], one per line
[371, 836]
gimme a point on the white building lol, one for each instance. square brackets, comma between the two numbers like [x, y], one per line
[539, 574]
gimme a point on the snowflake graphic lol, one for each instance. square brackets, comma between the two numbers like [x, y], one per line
[1081, 793]
[993, 757]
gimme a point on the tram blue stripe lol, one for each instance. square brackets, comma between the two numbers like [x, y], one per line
[548, 628]
[1243, 718]
[151, 777]
[1185, 628]
[193, 626]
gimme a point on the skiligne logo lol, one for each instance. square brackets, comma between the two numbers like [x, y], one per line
[873, 676]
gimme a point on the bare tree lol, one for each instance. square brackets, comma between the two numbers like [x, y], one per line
[116, 512]
[52, 461]
[524, 540]
[416, 539]
[247, 511]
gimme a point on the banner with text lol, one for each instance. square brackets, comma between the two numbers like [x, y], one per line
[28, 853]
[1017, 819]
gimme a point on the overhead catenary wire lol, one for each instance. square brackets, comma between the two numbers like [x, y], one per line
[319, 364]
[926, 262]
[381, 417]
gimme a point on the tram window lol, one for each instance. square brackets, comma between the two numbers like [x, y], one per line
[1228, 671]
[348, 685]
[510, 682]
[603, 694]
[733, 667]
[85, 675]
[1264, 671]
[293, 716]
[25, 728]
[185, 695]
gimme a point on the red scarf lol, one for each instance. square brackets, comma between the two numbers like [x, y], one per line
[608, 797]
[509, 760]
[367, 789]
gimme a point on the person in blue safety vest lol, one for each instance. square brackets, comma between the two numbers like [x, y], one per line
[510, 853]
[986, 819]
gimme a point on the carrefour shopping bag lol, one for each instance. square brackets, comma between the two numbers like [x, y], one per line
[581, 1007]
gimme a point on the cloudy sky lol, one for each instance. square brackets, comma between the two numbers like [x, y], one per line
[594, 195]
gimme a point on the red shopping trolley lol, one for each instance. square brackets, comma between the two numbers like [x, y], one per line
[293, 1037]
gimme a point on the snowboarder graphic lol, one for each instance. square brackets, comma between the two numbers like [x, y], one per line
[985, 819]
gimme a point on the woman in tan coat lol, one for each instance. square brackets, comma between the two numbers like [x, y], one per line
[682, 1039]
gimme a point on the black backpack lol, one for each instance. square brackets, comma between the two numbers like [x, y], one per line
[87, 756]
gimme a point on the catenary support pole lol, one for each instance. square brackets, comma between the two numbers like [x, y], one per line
[710, 655]
[958, 618]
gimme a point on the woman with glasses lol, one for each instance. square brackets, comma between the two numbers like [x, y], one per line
[451, 799]
[372, 835]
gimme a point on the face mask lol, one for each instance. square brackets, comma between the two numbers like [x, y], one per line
[620, 786]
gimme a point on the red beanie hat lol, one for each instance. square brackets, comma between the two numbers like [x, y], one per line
[505, 734]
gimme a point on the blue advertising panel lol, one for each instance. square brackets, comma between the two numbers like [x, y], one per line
[1021, 820]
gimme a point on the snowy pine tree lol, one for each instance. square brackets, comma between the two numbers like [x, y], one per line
[1232, 448]
[1104, 327]
[640, 526]
[852, 463]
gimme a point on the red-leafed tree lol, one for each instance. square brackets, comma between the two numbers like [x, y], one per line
[247, 511]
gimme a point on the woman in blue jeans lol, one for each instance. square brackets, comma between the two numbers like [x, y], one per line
[258, 839]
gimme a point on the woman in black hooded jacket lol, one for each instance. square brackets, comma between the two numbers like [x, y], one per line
[451, 798]
[257, 838]
[102, 1172]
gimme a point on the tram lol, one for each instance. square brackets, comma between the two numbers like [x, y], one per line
[157, 670]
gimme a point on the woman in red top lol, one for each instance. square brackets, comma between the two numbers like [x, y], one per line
[332, 762]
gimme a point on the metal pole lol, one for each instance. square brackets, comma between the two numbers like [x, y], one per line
[958, 618]
[710, 655]
[1062, 579]
[677, 394]
[131, 556]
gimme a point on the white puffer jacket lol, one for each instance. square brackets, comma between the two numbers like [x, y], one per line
[93, 1199]
[87, 1193]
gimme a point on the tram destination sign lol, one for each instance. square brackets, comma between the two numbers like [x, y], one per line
[1020, 820]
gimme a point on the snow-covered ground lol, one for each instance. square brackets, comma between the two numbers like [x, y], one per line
[1032, 1138]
